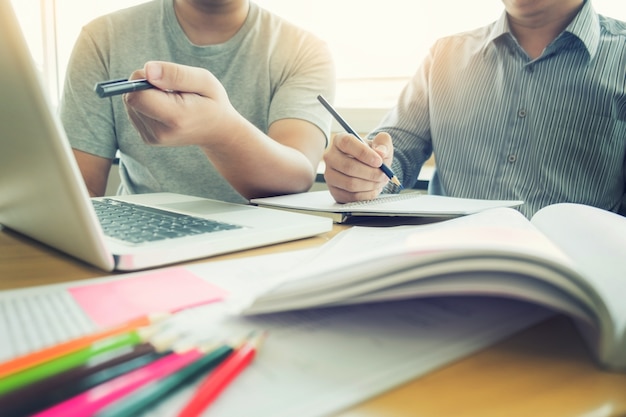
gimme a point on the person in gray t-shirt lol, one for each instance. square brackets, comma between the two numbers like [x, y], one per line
[235, 112]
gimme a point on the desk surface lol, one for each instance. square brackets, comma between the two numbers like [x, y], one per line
[543, 371]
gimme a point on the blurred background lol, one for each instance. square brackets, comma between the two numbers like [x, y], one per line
[376, 46]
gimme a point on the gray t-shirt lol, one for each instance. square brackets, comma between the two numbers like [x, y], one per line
[271, 70]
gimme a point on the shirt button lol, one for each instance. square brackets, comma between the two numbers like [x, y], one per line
[512, 158]
[521, 113]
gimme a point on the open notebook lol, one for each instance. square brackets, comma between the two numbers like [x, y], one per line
[410, 204]
[42, 194]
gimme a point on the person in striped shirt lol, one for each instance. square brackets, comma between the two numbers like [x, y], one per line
[531, 107]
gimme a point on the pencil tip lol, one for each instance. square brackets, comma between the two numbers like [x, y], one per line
[158, 317]
[259, 339]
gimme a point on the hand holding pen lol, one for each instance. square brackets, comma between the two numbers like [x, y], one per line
[353, 132]
[173, 105]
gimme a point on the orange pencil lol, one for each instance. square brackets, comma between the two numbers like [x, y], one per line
[38, 357]
[221, 376]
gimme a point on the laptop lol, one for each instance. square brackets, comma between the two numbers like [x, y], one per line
[43, 196]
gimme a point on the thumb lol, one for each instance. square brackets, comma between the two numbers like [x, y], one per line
[382, 144]
[181, 78]
[380, 149]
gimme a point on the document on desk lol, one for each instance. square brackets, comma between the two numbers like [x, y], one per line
[410, 204]
[314, 362]
[317, 362]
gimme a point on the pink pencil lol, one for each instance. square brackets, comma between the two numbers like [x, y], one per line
[91, 401]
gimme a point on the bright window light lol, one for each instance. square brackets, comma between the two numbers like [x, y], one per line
[376, 46]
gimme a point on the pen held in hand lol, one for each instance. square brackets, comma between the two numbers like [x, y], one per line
[122, 86]
[353, 132]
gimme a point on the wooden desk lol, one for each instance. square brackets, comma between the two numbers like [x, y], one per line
[543, 371]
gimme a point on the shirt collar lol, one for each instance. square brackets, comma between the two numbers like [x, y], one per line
[585, 26]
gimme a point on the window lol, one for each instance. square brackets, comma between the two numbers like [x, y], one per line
[377, 47]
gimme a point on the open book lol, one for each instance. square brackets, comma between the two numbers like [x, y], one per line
[569, 257]
[411, 204]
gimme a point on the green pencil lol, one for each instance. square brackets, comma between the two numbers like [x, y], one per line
[44, 393]
[71, 360]
[151, 394]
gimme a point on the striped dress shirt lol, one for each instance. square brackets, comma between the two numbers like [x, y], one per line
[504, 126]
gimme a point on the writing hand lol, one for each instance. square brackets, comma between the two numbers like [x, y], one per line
[353, 167]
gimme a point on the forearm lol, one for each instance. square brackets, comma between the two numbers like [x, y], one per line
[258, 165]
[95, 172]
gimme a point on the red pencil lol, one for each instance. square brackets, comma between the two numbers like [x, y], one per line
[221, 376]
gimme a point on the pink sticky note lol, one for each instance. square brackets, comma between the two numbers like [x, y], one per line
[171, 290]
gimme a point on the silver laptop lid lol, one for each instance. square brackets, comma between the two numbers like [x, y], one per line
[42, 194]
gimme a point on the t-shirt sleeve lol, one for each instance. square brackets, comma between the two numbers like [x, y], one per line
[309, 73]
[88, 119]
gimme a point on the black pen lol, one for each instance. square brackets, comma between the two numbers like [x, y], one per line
[349, 129]
[116, 87]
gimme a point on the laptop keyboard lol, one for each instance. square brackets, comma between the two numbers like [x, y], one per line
[138, 224]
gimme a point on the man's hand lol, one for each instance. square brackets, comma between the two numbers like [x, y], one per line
[188, 107]
[353, 167]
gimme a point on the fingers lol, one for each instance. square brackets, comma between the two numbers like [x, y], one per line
[150, 130]
[178, 87]
[353, 168]
[181, 78]
[343, 196]
[158, 115]
[383, 145]
[183, 107]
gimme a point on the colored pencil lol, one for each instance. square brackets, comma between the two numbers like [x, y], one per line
[91, 401]
[45, 393]
[219, 378]
[68, 361]
[151, 394]
[38, 357]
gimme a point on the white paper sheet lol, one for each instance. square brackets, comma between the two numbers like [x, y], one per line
[314, 362]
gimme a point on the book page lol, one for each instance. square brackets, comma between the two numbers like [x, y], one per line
[38, 317]
[314, 362]
[364, 260]
[596, 242]
[317, 362]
